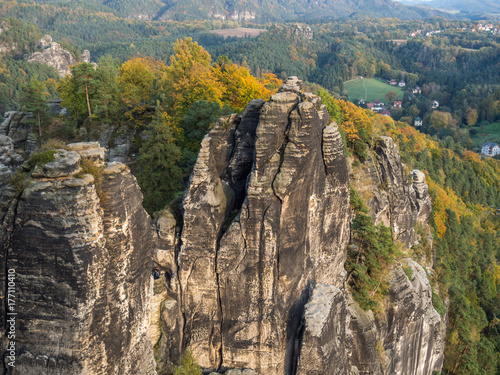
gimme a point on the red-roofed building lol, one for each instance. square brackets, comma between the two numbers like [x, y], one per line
[398, 103]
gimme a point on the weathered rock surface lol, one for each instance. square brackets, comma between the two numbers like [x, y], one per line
[408, 338]
[45, 41]
[266, 217]
[16, 127]
[90, 151]
[83, 272]
[10, 159]
[383, 182]
[56, 56]
[326, 341]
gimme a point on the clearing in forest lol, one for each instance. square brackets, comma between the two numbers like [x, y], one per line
[486, 133]
[370, 89]
[240, 32]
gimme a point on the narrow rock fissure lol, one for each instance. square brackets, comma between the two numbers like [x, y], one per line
[295, 330]
[281, 151]
[219, 299]
[322, 151]
[182, 314]
[261, 271]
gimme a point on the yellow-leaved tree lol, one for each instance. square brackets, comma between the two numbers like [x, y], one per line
[241, 86]
[190, 78]
[137, 78]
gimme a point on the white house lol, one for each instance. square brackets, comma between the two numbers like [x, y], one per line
[402, 83]
[490, 149]
[435, 104]
[418, 122]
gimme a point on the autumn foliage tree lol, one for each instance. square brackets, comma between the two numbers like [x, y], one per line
[136, 78]
[190, 78]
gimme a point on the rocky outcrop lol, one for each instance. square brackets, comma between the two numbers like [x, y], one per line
[45, 42]
[14, 151]
[81, 255]
[19, 129]
[56, 56]
[408, 337]
[266, 216]
[383, 182]
[326, 341]
[303, 32]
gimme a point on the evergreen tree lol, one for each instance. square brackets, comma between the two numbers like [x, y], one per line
[159, 175]
[80, 91]
[34, 99]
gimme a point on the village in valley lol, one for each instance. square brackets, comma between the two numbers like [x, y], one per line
[487, 149]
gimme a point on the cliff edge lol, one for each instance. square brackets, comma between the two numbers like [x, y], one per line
[79, 246]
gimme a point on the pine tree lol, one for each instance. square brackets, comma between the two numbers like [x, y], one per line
[159, 175]
[34, 99]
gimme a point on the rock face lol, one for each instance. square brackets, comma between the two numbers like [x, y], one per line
[56, 56]
[270, 190]
[304, 32]
[326, 341]
[384, 184]
[408, 338]
[16, 127]
[256, 277]
[16, 142]
[82, 259]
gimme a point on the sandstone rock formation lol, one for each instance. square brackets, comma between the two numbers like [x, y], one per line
[81, 254]
[408, 338]
[266, 216]
[256, 278]
[56, 56]
[17, 141]
[383, 182]
[304, 32]
[253, 278]
[16, 127]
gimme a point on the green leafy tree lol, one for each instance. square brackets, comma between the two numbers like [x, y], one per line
[199, 120]
[109, 91]
[159, 174]
[34, 99]
[391, 96]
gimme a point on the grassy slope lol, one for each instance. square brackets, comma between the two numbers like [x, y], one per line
[375, 89]
[488, 133]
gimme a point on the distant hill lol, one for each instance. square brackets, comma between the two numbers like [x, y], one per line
[262, 10]
[471, 6]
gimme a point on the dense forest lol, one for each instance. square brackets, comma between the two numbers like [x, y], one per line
[169, 93]
[456, 67]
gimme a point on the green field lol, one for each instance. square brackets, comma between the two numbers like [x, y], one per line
[487, 133]
[370, 89]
